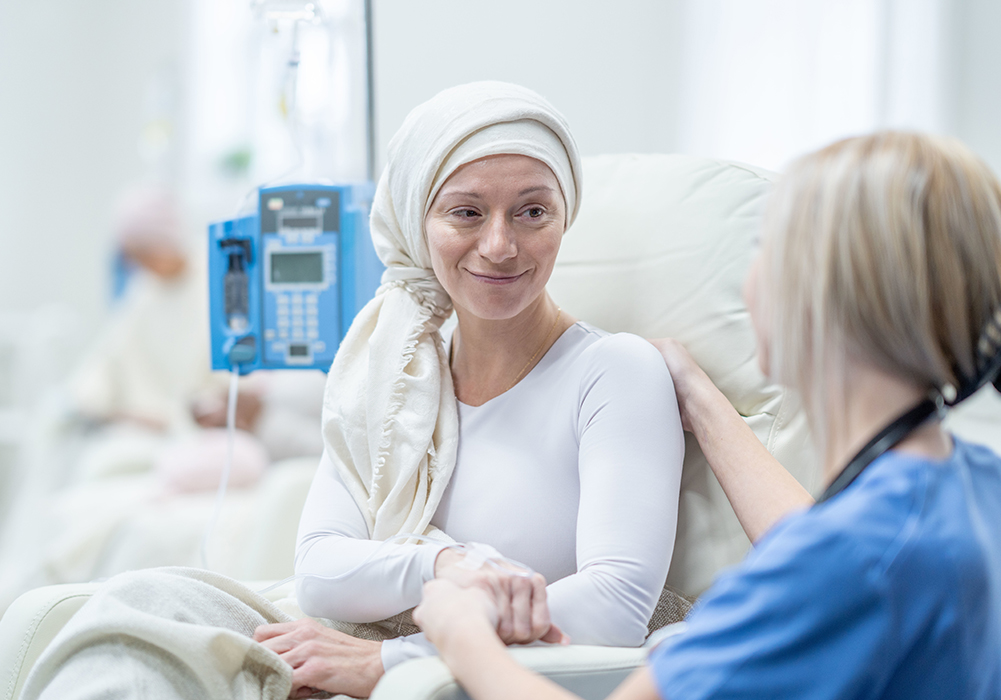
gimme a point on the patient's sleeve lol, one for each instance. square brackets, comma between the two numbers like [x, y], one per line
[333, 539]
[630, 457]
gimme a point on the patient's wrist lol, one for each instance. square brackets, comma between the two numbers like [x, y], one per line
[446, 557]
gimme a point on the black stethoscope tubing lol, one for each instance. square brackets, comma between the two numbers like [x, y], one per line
[885, 439]
[989, 366]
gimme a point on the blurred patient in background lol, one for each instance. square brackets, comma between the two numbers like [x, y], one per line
[148, 378]
[134, 450]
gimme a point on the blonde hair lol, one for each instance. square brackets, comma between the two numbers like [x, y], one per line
[882, 249]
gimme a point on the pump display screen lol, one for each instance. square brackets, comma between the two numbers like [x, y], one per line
[297, 268]
[301, 222]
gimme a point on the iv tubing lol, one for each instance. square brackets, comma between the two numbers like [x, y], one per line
[227, 465]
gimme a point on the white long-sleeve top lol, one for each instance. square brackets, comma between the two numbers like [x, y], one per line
[575, 472]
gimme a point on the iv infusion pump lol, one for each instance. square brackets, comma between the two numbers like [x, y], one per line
[286, 281]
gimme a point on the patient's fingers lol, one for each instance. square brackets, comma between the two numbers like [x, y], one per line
[264, 632]
[281, 644]
[555, 636]
[521, 610]
[501, 585]
[540, 609]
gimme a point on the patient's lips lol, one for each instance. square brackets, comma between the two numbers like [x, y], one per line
[497, 277]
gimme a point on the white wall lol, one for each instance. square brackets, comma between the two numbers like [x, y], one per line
[612, 68]
[976, 77]
[72, 80]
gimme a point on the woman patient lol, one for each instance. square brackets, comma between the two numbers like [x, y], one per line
[527, 430]
[564, 448]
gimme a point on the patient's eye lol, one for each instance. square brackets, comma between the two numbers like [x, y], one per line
[465, 214]
[533, 213]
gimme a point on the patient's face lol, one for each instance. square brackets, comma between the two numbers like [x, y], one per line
[163, 260]
[494, 230]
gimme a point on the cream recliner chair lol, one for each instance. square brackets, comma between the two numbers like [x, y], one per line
[660, 248]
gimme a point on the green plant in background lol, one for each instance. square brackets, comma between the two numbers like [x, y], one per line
[235, 164]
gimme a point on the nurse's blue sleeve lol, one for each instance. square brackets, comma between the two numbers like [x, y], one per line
[805, 616]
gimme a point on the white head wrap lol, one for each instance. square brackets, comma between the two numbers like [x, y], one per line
[149, 216]
[390, 421]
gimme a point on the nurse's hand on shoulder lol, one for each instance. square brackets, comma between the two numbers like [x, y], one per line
[324, 659]
[519, 601]
[690, 381]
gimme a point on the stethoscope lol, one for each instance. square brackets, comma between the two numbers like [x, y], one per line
[989, 370]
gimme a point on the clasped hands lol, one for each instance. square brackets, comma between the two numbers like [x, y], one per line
[509, 599]
[494, 596]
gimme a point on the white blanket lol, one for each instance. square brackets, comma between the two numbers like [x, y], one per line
[164, 634]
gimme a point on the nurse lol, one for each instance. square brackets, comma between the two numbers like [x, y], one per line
[879, 285]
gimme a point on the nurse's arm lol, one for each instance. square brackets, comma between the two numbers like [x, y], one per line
[460, 623]
[758, 487]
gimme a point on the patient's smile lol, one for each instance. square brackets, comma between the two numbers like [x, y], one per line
[494, 278]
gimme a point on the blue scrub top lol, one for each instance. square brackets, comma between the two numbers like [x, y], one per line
[892, 589]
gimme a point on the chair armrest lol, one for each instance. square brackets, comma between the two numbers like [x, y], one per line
[591, 672]
[29, 624]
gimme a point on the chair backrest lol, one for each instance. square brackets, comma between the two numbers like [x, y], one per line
[661, 248]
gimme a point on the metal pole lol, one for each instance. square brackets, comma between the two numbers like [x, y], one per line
[370, 89]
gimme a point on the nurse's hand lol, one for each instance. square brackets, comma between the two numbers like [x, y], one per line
[760, 490]
[324, 659]
[446, 608]
[691, 383]
[519, 601]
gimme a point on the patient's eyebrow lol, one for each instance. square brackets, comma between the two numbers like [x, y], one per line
[444, 194]
[475, 195]
[537, 188]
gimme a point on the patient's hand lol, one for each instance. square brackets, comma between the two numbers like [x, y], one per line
[521, 614]
[324, 659]
[209, 411]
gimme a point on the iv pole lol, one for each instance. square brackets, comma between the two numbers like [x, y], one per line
[370, 92]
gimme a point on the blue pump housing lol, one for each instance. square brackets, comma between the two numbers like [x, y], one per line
[286, 282]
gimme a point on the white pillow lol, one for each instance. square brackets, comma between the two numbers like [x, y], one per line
[661, 248]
